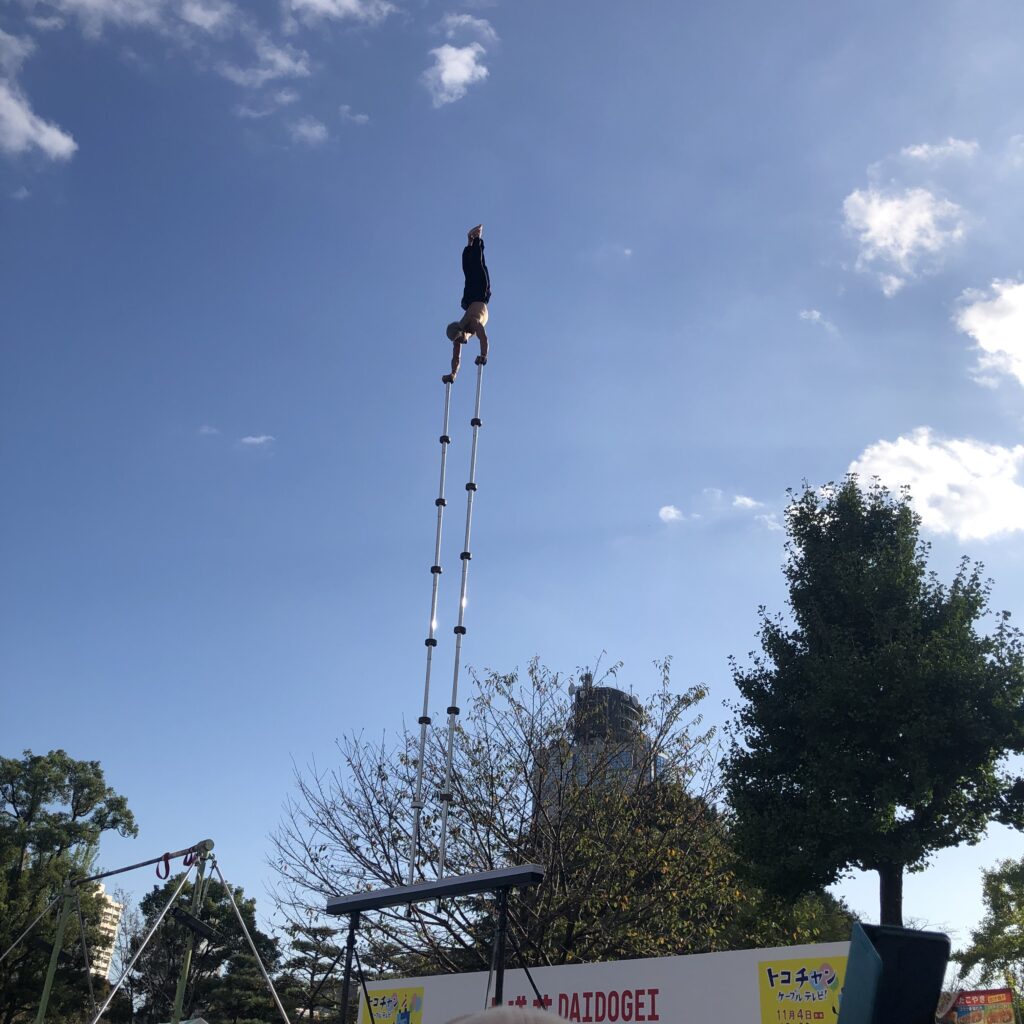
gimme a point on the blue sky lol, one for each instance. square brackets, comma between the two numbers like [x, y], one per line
[732, 246]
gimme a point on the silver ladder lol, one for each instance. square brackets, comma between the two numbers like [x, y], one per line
[445, 794]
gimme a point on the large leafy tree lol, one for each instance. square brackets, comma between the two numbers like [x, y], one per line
[874, 727]
[996, 951]
[638, 861]
[53, 810]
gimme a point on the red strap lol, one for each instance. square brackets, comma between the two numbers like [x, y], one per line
[190, 857]
[166, 865]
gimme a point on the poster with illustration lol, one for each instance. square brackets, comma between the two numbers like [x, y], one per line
[394, 1006]
[804, 991]
[982, 1006]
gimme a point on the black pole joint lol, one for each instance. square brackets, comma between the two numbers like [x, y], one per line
[460, 630]
[424, 720]
[430, 642]
[466, 555]
[440, 502]
[476, 422]
[471, 486]
[436, 570]
[454, 709]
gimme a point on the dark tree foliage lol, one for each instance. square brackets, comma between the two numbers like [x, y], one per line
[638, 861]
[53, 810]
[875, 725]
[224, 981]
[310, 980]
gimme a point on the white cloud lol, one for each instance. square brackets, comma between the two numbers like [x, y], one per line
[670, 514]
[281, 98]
[964, 149]
[209, 15]
[964, 487]
[462, 24]
[21, 129]
[347, 114]
[48, 23]
[14, 51]
[769, 521]
[900, 230]
[996, 323]
[308, 130]
[20, 194]
[257, 440]
[93, 15]
[206, 430]
[815, 316]
[274, 61]
[742, 501]
[455, 69]
[356, 10]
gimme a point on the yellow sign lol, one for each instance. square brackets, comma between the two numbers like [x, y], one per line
[804, 991]
[395, 1006]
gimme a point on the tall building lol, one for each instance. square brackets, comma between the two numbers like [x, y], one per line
[605, 738]
[102, 952]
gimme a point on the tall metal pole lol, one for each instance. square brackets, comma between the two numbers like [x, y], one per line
[346, 978]
[499, 947]
[460, 629]
[58, 943]
[431, 642]
[186, 962]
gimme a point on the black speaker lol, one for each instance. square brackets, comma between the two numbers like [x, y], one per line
[893, 975]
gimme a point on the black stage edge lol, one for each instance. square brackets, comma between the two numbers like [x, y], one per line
[498, 882]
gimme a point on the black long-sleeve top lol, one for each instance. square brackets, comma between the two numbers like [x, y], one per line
[474, 267]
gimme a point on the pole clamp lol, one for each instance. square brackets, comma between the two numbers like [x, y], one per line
[471, 486]
[430, 642]
[461, 630]
[436, 570]
[476, 422]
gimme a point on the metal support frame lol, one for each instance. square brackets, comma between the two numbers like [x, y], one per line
[500, 882]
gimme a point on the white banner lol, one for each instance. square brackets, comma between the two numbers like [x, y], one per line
[783, 985]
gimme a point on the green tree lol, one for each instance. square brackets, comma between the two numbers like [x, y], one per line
[53, 810]
[221, 978]
[874, 727]
[308, 982]
[996, 951]
[638, 861]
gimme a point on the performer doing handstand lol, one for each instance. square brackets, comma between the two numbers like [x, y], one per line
[475, 297]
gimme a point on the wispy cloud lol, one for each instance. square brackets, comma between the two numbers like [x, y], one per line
[20, 194]
[273, 61]
[348, 114]
[816, 317]
[961, 149]
[281, 98]
[770, 521]
[209, 15]
[899, 231]
[95, 15]
[353, 10]
[742, 501]
[670, 514]
[462, 25]
[207, 431]
[455, 69]
[995, 320]
[21, 129]
[308, 131]
[46, 23]
[960, 486]
[257, 440]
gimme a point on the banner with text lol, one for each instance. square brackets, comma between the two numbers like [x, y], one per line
[753, 986]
